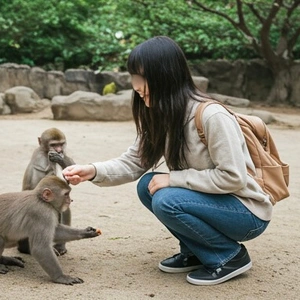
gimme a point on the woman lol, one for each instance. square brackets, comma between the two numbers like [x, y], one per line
[207, 200]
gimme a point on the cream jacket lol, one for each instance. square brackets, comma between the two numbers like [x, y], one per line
[220, 168]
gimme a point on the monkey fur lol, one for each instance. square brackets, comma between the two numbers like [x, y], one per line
[48, 159]
[33, 214]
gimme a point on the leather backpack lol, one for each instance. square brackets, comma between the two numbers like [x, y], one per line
[271, 173]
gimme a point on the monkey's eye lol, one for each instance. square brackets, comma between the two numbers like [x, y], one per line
[55, 145]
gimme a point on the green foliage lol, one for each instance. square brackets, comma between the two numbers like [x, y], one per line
[109, 88]
[99, 34]
[57, 33]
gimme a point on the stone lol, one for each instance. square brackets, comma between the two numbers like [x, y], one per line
[22, 99]
[229, 100]
[201, 83]
[82, 105]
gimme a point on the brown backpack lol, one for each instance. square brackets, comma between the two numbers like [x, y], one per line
[271, 173]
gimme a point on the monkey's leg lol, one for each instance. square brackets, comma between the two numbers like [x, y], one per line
[64, 218]
[23, 246]
[12, 261]
[3, 268]
[8, 261]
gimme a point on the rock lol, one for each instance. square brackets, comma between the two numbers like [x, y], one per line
[266, 116]
[229, 100]
[22, 99]
[82, 105]
[201, 83]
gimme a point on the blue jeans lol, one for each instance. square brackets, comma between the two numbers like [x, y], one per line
[206, 225]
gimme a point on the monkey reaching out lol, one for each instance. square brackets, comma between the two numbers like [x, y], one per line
[48, 159]
[33, 214]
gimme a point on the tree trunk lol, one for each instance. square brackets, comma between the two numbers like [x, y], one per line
[281, 90]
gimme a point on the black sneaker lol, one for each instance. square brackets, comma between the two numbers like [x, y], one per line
[180, 263]
[236, 266]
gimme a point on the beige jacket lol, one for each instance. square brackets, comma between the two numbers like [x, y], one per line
[220, 168]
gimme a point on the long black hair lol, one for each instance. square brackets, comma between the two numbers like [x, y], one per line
[160, 126]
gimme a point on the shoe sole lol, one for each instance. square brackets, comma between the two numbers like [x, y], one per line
[178, 270]
[220, 280]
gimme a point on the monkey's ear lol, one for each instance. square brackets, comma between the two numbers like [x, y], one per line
[47, 195]
[39, 140]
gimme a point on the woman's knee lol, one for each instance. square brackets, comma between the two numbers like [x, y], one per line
[143, 192]
[142, 186]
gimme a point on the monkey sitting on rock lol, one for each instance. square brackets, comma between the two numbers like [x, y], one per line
[33, 214]
[48, 159]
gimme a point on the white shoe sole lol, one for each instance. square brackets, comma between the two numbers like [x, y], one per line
[178, 270]
[220, 280]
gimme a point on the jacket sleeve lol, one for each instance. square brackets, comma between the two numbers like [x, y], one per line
[124, 169]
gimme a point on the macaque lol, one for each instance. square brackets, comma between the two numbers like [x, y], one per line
[33, 214]
[48, 159]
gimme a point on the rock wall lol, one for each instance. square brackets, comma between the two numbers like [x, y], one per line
[250, 79]
[48, 84]
[243, 79]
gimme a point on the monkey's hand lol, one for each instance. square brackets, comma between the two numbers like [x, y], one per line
[90, 232]
[12, 261]
[68, 280]
[56, 157]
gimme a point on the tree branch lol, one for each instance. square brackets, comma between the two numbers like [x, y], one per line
[285, 46]
[267, 50]
[205, 8]
[291, 8]
[293, 40]
[241, 25]
[255, 12]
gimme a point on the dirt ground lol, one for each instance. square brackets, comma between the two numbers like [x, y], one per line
[122, 263]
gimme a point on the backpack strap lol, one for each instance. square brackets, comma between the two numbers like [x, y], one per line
[247, 123]
[198, 117]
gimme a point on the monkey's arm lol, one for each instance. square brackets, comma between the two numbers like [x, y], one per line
[67, 234]
[43, 252]
[63, 160]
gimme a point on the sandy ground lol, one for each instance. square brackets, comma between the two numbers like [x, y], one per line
[122, 263]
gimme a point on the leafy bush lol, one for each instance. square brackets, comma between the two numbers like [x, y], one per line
[98, 34]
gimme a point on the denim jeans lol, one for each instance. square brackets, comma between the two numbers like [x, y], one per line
[206, 225]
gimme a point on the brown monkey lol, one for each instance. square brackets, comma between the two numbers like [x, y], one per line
[33, 214]
[48, 159]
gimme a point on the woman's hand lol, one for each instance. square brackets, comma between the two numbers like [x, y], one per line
[158, 182]
[79, 173]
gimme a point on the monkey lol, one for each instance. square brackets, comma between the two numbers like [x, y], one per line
[48, 159]
[32, 214]
[51, 151]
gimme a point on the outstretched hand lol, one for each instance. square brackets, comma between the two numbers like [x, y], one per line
[78, 173]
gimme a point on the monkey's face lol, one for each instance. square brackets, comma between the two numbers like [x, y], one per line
[57, 146]
[66, 201]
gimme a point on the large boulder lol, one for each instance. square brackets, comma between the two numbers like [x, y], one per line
[82, 105]
[229, 100]
[22, 99]
[201, 83]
